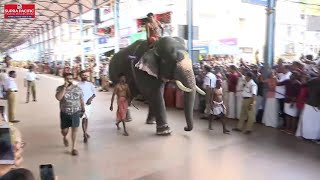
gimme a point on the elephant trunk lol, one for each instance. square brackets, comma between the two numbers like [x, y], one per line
[185, 78]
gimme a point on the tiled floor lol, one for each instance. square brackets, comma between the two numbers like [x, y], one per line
[197, 155]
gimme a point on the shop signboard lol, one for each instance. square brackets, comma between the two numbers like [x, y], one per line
[201, 49]
[226, 46]
[106, 13]
[256, 2]
[229, 41]
[19, 11]
[103, 40]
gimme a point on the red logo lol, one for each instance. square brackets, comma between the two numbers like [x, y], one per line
[19, 11]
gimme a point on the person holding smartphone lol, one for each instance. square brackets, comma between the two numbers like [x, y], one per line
[71, 108]
[10, 134]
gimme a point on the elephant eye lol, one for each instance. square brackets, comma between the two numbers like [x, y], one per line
[180, 56]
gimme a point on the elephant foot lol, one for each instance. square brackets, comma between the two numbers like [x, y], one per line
[164, 131]
[188, 128]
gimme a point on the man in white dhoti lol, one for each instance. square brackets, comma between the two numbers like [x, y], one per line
[232, 84]
[283, 75]
[309, 126]
[293, 86]
[3, 79]
[209, 83]
[218, 109]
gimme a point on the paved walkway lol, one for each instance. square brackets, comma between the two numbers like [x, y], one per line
[267, 154]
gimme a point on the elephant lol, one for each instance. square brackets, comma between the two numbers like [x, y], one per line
[147, 70]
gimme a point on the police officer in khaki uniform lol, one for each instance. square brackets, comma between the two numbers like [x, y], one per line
[248, 105]
[11, 89]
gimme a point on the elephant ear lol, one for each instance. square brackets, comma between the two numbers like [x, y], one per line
[149, 63]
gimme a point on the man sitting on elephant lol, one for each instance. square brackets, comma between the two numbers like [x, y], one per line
[153, 26]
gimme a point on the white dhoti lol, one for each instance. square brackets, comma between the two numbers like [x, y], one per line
[1, 92]
[226, 100]
[225, 94]
[232, 105]
[239, 105]
[88, 112]
[218, 108]
[270, 114]
[309, 124]
[291, 109]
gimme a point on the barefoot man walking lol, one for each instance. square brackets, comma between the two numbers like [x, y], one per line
[89, 93]
[124, 97]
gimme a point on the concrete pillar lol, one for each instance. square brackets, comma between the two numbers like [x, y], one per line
[69, 25]
[81, 35]
[39, 45]
[48, 43]
[54, 42]
[61, 39]
[95, 36]
[70, 34]
[270, 33]
[116, 25]
[43, 41]
[190, 28]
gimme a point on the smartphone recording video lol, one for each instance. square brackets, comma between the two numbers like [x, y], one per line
[46, 172]
[6, 150]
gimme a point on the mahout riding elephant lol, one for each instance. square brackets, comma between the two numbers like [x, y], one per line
[147, 70]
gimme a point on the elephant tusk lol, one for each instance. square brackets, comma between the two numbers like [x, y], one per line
[182, 87]
[200, 91]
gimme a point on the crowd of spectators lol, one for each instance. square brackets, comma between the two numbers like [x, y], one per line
[287, 97]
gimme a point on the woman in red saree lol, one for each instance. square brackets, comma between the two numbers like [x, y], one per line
[153, 27]
[123, 99]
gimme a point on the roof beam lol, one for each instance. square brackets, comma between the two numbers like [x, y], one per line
[48, 9]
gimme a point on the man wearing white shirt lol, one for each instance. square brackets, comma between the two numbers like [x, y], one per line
[104, 78]
[3, 78]
[89, 93]
[249, 94]
[30, 82]
[11, 89]
[209, 83]
[280, 90]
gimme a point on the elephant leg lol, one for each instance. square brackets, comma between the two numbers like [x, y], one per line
[151, 117]
[159, 109]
